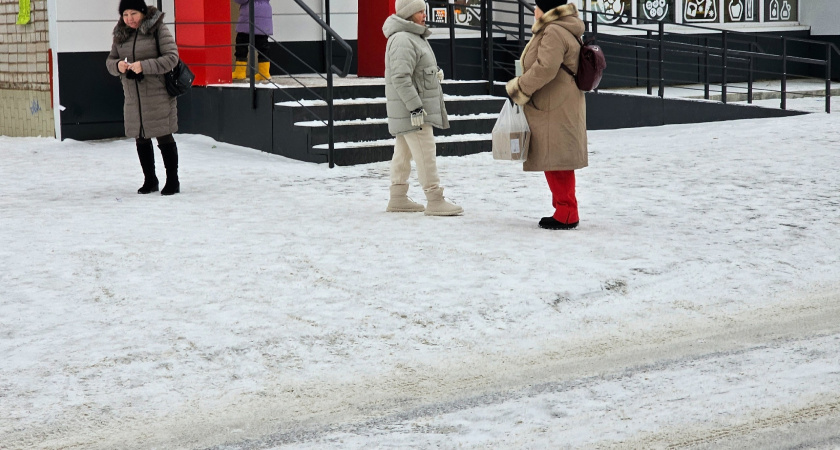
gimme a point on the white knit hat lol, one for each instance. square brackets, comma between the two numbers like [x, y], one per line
[407, 8]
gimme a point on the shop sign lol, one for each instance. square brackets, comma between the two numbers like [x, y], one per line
[616, 11]
[438, 15]
[659, 10]
[700, 11]
[740, 11]
[781, 10]
[466, 12]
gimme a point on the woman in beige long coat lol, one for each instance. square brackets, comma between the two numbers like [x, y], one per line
[143, 50]
[554, 106]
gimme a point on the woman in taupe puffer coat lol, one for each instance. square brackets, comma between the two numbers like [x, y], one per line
[142, 52]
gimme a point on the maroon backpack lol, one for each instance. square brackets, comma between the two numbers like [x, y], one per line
[591, 65]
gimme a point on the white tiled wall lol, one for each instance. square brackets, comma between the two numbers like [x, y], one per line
[86, 25]
[822, 15]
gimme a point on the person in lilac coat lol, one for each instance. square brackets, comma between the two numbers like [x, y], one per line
[263, 28]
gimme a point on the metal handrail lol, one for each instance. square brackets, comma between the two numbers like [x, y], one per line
[331, 68]
[334, 35]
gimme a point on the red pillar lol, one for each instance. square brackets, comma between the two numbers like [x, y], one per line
[209, 64]
[372, 14]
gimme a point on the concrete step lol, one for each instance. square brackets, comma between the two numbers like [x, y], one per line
[374, 107]
[350, 153]
[376, 89]
[372, 129]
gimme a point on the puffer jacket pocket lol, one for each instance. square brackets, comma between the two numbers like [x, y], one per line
[430, 80]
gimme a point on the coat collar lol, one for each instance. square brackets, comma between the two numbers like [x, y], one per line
[554, 15]
[395, 24]
[150, 23]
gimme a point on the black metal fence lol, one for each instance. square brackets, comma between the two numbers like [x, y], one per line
[644, 52]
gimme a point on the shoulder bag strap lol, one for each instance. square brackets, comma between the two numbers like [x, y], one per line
[564, 66]
[157, 42]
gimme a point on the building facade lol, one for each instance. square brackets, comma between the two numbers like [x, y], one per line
[25, 68]
[53, 80]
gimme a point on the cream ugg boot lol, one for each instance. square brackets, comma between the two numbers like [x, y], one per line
[400, 202]
[437, 206]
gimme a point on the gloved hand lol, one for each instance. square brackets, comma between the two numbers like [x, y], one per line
[440, 74]
[418, 117]
[132, 75]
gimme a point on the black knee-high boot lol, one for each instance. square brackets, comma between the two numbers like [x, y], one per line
[146, 153]
[169, 151]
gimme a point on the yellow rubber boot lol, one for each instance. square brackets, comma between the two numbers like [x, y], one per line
[240, 70]
[264, 75]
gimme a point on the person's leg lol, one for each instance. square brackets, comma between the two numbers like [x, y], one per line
[169, 152]
[146, 153]
[400, 170]
[421, 144]
[241, 50]
[240, 53]
[423, 150]
[562, 186]
[264, 66]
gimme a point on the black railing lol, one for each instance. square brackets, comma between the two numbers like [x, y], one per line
[649, 50]
[331, 69]
[254, 54]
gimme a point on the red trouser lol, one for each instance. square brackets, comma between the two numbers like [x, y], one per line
[562, 185]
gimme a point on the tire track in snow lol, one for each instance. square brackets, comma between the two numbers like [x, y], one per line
[303, 412]
[815, 426]
[477, 384]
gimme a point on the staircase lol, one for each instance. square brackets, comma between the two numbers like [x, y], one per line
[361, 124]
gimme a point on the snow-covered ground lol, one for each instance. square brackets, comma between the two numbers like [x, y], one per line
[274, 304]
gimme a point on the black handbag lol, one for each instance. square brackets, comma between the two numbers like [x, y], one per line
[179, 80]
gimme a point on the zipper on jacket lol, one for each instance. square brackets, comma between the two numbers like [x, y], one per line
[137, 85]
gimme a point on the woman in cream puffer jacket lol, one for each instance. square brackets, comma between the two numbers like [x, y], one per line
[415, 105]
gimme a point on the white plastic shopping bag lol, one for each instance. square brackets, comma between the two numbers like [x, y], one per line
[511, 134]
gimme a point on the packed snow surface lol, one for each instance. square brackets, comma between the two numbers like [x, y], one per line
[275, 304]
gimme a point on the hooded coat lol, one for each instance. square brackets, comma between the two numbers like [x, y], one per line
[149, 110]
[411, 80]
[263, 21]
[553, 104]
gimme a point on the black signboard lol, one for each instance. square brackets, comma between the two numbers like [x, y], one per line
[741, 10]
[781, 10]
[659, 10]
[615, 11]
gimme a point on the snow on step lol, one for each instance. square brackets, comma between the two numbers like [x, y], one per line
[338, 123]
[390, 142]
[377, 100]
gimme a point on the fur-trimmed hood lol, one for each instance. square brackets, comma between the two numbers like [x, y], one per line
[554, 15]
[151, 22]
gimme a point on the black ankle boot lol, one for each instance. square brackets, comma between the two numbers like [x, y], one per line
[550, 223]
[170, 161]
[146, 153]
